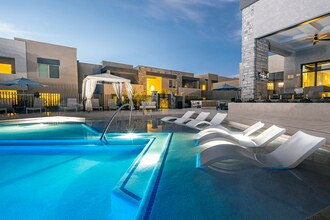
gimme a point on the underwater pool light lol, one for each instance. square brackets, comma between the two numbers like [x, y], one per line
[129, 136]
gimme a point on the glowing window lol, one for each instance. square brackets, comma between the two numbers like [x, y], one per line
[290, 76]
[270, 86]
[5, 68]
[280, 84]
[308, 79]
[7, 65]
[203, 87]
[323, 78]
[154, 83]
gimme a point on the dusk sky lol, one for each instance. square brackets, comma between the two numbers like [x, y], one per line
[199, 36]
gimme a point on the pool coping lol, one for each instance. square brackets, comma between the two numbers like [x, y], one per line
[126, 204]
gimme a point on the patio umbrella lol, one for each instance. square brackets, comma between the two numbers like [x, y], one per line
[226, 87]
[22, 83]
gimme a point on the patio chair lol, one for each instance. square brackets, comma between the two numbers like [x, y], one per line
[171, 119]
[112, 104]
[221, 130]
[71, 104]
[261, 140]
[38, 104]
[288, 155]
[96, 104]
[201, 117]
[216, 120]
[6, 105]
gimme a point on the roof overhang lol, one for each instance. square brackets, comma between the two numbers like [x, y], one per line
[299, 37]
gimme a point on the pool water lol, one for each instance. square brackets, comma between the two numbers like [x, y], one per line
[61, 171]
[60, 185]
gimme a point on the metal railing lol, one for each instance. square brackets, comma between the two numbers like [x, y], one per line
[103, 137]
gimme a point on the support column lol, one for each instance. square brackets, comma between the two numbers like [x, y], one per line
[254, 59]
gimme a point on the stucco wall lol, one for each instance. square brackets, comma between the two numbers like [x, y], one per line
[67, 84]
[275, 15]
[14, 49]
[292, 64]
[275, 63]
[85, 69]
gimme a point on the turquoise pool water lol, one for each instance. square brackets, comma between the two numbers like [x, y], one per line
[69, 176]
[60, 185]
[61, 171]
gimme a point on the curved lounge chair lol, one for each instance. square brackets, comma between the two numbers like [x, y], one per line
[220, 130]
[261, 140]
[201, 117]
[288, 155]
[171, 119]
[216, 120]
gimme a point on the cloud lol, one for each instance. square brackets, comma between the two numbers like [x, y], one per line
[10, 31]
[7, 30]
[192, 10]
[237, 34]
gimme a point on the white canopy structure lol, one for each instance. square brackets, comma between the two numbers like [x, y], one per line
[89, 85]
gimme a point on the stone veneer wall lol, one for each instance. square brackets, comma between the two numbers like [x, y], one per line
[247, 74]
[261, 64]
[254, 59]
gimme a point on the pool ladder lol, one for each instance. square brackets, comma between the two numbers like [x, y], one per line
[103, 137]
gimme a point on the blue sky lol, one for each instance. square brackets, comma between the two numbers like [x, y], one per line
[199, 36]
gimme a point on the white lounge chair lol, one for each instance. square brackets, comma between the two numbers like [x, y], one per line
[171, 119]
[288, 155]
[216, 120]
[261, 140]
[190, 122]
[220, 131]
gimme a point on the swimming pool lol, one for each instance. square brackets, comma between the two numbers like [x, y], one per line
[63, 171]
[72, 178]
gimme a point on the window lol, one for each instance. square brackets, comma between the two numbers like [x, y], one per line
[270, 86]
[316, 74]
[48, 68]
[290, 76]
[203, 87]
[7, 65]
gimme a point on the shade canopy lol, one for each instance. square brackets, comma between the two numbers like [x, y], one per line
[89, 85]
[226, 87]
[22, 83]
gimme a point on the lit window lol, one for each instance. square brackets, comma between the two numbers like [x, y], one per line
[270, 86]
[316, 74]
[290, 76]
[323, 78]
[48, 68]
[7, 65]
[203, 87]
[280, 84]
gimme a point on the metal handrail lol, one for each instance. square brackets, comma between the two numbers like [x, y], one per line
[112, 117]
